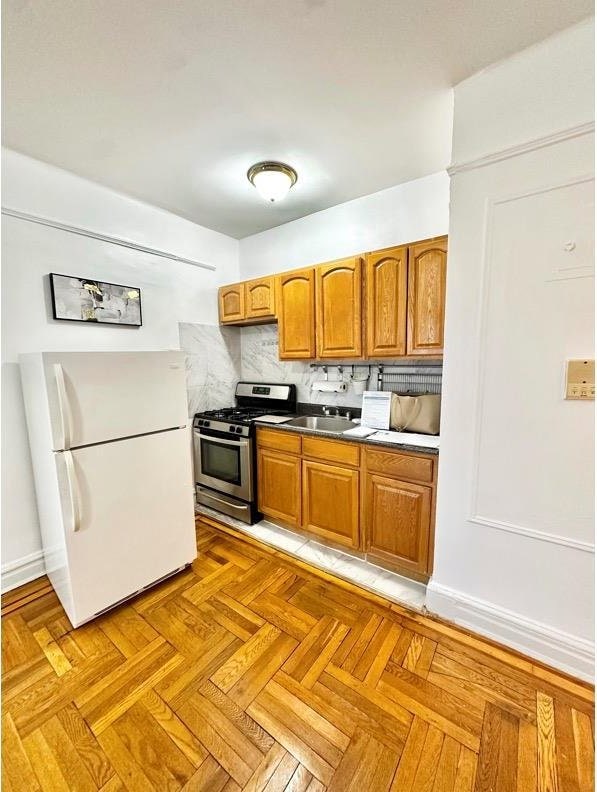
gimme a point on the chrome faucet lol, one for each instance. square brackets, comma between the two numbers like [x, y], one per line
[338, 413]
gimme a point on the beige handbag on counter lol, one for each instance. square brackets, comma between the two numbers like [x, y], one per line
[415, 413]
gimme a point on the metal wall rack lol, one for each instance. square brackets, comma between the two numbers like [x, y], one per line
[405, 378]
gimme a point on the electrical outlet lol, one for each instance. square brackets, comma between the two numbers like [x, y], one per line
[580, 380]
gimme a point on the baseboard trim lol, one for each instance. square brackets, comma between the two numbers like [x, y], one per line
[22, 570]
[562, 650]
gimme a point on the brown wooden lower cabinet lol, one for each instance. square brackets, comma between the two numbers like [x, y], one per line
[331, 502]
[397, 518]
[376, 500]
[279, 485]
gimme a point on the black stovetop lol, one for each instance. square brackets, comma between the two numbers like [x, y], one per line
[242, 415]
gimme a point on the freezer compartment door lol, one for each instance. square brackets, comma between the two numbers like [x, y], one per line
[96, 397]
[128, 514]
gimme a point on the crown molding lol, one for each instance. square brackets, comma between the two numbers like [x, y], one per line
[523, 148]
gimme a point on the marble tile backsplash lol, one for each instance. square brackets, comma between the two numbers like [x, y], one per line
[218, 357]
[213, 360]
[259, 362]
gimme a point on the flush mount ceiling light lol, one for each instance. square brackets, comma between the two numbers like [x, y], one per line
[272, 180]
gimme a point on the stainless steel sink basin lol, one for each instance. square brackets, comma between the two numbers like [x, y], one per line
[327, 423]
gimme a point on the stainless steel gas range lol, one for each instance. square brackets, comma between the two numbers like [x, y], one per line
[225, 450]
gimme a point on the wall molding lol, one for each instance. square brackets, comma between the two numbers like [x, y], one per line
[491, 202]
[113, 240]
[533, 533]
[22, 570]
[567, 652]
[522, 148]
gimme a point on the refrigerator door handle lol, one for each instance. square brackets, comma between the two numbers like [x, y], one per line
[63, 405]
[73, 491]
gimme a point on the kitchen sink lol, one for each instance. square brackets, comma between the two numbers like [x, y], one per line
[326, 423]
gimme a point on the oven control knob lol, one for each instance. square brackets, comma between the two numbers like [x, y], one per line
[205, 423]
[239, 429]
[231, 429]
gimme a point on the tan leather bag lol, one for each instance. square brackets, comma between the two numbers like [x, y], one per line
[415, 413]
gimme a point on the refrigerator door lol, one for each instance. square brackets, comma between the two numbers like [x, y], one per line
[128, 515]
[96, 397]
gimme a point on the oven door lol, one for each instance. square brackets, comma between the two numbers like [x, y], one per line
[224, 465]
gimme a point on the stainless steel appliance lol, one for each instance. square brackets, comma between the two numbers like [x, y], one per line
[224, 447]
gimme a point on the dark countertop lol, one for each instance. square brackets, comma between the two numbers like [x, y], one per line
[284, 427]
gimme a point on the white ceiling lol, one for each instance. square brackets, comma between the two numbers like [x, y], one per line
[171, 101]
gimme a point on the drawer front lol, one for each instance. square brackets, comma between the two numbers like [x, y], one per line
[331, 450]
[281, 441]
[391, 463]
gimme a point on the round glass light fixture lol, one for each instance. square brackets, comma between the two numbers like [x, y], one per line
[272, 180]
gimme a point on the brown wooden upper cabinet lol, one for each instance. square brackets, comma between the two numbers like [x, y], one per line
[338, 327]
[260, 300]
[295, 295]
[386, 278]
[231, 301]
[426, 297]
[251, 302]
[389, 305]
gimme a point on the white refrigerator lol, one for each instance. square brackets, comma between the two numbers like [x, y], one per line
[111, 450]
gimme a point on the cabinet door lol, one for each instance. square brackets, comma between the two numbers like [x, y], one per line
[426, 297]
[338, 299]
[231, 303]
[386, 282]
[397, 522]
[259, 299]
[279, 485]
[296, 314]
[331, 502]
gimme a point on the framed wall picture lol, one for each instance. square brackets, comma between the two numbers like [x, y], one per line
[84, 300]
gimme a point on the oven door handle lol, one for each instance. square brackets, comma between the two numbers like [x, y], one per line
[236, 443]
[221, 500]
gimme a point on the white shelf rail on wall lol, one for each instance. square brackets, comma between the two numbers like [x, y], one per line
[408, 378]
[113, 240]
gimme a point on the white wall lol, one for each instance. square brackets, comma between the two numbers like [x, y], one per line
[171, 292]
[514, 527]
[544, 89]
[405, 213]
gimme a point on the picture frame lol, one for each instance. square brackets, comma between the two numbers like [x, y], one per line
[91, 301]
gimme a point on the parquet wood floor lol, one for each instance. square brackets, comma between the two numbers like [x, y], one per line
[252, 672]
